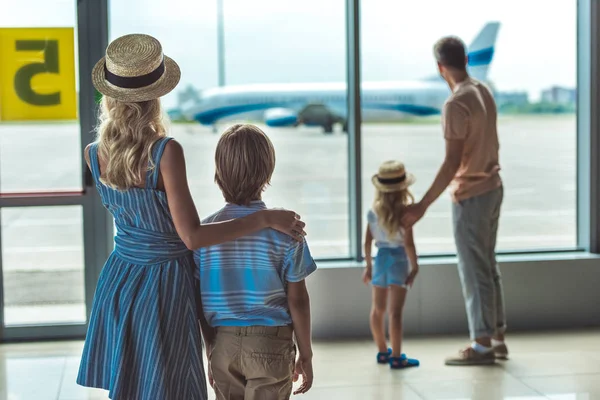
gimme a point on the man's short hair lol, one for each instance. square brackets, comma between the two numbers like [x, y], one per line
[450, 52]
[244, 161]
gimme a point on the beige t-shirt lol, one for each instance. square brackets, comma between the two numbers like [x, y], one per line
[470, 115]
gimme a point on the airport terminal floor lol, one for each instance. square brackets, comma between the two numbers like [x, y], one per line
[542, 366]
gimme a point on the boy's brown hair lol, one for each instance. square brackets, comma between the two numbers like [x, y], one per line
[244, 161]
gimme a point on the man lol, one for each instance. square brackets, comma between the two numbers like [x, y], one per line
[471, 169]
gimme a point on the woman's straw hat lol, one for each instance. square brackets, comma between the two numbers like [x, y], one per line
[392, 177]
[135, 70]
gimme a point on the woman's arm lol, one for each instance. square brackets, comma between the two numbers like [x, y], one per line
[86, 156]
[411, 252]
[186, 220]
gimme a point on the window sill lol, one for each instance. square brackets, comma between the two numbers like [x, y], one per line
[502, 259]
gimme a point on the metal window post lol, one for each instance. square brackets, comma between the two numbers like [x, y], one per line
[221, 42]
[588, 125]
[353, 79]
[97, 224]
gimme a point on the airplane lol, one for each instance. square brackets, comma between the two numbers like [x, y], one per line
[325, 104]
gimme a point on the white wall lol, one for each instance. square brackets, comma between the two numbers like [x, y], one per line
[542, 292]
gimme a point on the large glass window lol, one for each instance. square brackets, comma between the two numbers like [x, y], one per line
[42, 261]
[39, 132]
[281, 64]
[531, 67]
[41, 185]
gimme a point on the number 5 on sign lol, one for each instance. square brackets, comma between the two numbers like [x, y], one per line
[37, 74]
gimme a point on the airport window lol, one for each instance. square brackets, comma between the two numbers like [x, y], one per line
[38, 112]
[54, 230]
[42, 263]
[537, 122]
[311, 176]
[42, 199]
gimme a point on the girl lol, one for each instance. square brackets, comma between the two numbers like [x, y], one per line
[143, 340]
[392, 275]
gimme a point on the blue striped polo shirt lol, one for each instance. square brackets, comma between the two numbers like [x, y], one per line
[244, 282]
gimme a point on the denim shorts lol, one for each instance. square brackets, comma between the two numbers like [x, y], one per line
[391, 267]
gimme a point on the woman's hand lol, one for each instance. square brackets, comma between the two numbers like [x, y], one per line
[287, 222]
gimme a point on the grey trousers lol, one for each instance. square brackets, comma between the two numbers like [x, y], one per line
[475, 231]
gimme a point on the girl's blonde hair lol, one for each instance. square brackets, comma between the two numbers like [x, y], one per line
[126, 133]
[389, 207]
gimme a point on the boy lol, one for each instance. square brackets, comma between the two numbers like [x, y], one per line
[253, 288]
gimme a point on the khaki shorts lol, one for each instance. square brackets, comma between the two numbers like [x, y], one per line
[253, 363]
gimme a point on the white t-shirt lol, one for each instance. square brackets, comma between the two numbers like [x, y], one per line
[380, 235]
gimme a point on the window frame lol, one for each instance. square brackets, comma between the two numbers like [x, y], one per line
[588, 126]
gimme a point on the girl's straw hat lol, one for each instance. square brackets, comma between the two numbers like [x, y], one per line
[392, 177]
[135, 70]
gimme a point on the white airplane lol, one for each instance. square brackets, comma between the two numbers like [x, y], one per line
[325, 104]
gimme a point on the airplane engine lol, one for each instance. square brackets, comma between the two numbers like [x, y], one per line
[319, 115]
[279, 117]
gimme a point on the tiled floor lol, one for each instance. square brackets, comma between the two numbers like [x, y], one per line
[558, 366]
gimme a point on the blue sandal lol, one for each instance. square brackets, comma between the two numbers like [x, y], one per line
[384, 358]
[403, 362]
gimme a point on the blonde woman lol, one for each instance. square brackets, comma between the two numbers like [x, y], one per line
[395, 267]
[143, 340]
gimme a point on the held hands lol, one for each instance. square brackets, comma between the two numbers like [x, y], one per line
[304, 367]
[287, 222]
[413, 214]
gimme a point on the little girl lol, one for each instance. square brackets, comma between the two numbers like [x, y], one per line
[392, 273]
[143, 340]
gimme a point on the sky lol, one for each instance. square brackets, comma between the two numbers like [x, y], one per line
[272, 41]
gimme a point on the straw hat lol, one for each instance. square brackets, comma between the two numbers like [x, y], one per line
[135, 70]
[392, 177]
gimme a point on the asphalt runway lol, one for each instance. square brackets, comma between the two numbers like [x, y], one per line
[42, 248]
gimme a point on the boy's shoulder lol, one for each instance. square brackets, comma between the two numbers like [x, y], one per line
[214, 217]
[229, 212]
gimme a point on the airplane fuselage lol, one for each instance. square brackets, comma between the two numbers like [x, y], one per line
[282, 104]
[325, 104]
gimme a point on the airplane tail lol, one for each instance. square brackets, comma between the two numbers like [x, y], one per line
[481, 51]
[187, 99]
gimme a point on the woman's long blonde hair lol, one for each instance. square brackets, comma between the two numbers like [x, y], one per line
[389, 207]
[126, 133]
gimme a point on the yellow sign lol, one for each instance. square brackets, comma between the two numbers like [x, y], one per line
[37, 74]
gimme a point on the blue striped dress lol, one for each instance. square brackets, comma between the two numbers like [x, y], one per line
[143, 340]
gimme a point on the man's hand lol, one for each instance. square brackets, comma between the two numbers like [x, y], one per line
[413, 214]
[367, 274]
[304, 367]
